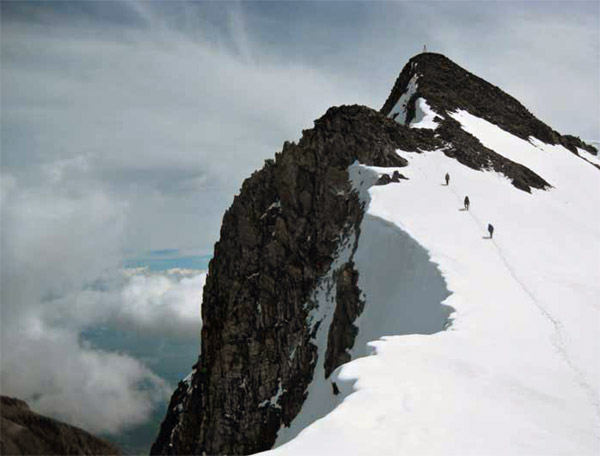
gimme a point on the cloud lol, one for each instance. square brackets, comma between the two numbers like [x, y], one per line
[56, 240]
[168, 122]
[166, 304]
[61, 254]
[60, 376]
[60, 274]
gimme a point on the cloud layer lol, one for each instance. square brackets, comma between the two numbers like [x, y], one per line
[166, 304]
[61, 256]
[170, 106]
[60, 376]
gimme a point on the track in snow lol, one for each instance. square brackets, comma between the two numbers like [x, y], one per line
[558, 339]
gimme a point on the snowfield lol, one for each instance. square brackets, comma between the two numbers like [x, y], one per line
[515, 369]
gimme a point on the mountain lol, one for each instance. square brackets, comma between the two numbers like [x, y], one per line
[353, 305]
[448, 87]
[26, 432]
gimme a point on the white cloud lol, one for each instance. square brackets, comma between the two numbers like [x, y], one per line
[61, 253]
[60, 376]
[164, 304]
[54, 240]
[169, 122]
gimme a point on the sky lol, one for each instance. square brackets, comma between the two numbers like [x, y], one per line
[128, 127]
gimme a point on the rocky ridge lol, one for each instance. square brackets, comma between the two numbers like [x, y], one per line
[26, 432]
[277, 240]
[448, 87]
[278, 244]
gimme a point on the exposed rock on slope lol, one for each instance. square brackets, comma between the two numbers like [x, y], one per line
[26, 432]
[278, 241]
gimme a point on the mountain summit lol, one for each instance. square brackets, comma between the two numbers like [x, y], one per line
[447, 87]
[355, 305]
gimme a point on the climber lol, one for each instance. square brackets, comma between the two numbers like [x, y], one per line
[467, 203]
[447, 179]
[491, 230]
[336, 390]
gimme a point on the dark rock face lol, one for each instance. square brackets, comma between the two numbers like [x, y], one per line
[448, 87]
[278, 244]
[277, 239]
[26, 432]
[342, 331]
[467, 149]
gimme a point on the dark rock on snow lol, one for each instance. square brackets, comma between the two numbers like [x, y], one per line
[385, 179]
[279, 238]
[25, 432]
[342, 331]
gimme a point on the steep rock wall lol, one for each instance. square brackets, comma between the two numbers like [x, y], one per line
[277, 240]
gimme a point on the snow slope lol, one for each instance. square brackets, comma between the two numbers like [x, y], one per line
[517, 370]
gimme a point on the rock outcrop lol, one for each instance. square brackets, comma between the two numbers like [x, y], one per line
[28, 433]
[280, 241]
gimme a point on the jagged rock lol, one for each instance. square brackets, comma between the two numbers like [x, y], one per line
[342, 331]
[385, 179]
[25, 432]
[467, 149]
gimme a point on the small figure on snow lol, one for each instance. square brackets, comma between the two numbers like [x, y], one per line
[447, 179]
[336, 390]
[424, 48]
[491, 230]
[467, 203]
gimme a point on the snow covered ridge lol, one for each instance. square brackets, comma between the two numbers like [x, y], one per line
[517, 371]
[323, 262]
